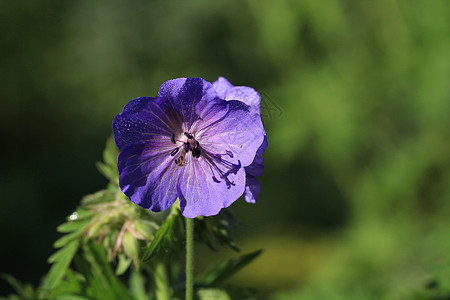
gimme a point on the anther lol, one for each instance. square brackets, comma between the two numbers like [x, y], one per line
[196, 152]
[172, 138]
[174, 151]
[187, 147]
[196, 145]
[188, 135]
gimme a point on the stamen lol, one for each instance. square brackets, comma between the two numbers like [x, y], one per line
[196, 152]
[188, 135]
[174, 151]
[172, 138]
[187, 146]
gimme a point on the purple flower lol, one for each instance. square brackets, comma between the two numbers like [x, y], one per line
[191, 143]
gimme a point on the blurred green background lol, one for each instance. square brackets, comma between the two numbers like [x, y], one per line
[355, 195]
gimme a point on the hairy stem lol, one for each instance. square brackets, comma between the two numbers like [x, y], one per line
[189, 259]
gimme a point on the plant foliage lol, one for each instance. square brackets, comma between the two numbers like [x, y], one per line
[111, 249]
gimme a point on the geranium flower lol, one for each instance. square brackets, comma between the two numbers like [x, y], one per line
[186, 143]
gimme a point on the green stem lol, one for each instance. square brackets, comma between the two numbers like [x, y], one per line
[189, 259]
[161, 282]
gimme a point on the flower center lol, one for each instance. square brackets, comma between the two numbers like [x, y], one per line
[186, 143]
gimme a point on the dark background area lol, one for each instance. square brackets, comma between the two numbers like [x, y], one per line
[354, 200]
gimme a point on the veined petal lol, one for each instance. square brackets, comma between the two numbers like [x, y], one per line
[238, 133]
[148, 175]
[203, 192]
[188, 96]
[144, 119]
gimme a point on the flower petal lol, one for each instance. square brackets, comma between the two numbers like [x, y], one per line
[222, 85]
[238, 133]
[148, 175]
[246, 94]
[201, 192]
[144, 119]
[188, 96]
[256, 168]
[252, 189]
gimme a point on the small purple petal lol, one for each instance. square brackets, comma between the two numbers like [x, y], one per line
[255, 169]
[252, 189]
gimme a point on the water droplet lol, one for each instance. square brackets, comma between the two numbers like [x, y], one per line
[73, 216]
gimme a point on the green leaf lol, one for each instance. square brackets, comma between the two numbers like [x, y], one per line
[137, 285]
[211, 230]
[103, 283]
[61, 242]
[111, 152]
[226, 269]
[145, 228]
[107, 171]
[100, 196]
[72, 226]
[109, 165]
[71, 297]
[71, 285]
[131, 247]
[166, 236]
[61, 261]
[123, 264]
[212, 294]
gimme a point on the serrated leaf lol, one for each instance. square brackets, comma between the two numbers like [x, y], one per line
[61, 261]
[61, 242]
[72, 226]
[164, 236]
[226, 269]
